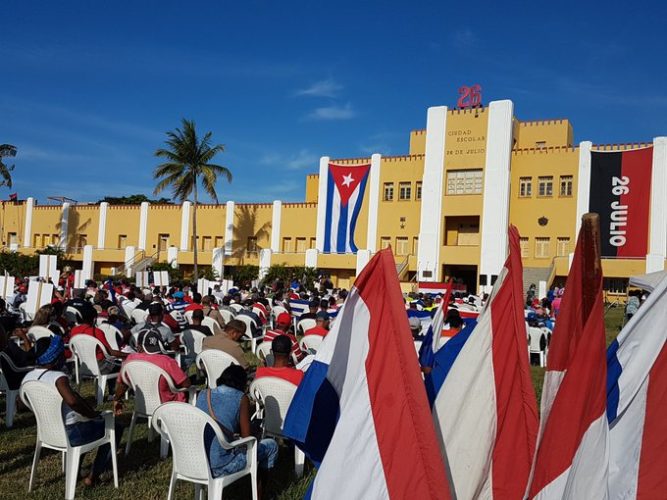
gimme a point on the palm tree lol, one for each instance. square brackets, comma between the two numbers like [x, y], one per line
[6, 150]
[188, 161]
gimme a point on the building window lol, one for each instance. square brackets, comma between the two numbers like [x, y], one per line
[122, 240]
[464, 182]
[37, 241]
[540, 144]
[404, 191]
[615, 285]
[313, 243]
[415, 245]
[388, 191]
[301, 245]
[251, 246]
[219, 242]
[385, 242]
[542, 248]
[12, 239]
[287, 245]
[545, 186]
[563, 247]
[83, 240]
[401, 245]
[206, 242]
[566, 185]
[418, 190]
[523, 243]
[525, 187]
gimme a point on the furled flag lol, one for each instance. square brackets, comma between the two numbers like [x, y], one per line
[572, 452]
[361, 411]
[637, 403]
[485, 409]
[298, 307]
[345, 194]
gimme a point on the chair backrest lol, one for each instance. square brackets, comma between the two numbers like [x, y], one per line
[250, 324]
[183, 425]
[188, 316]
[192, 340]
[276, 310]
[111, 334]
[73, 315]
[139, 315]
[535, 336]
[39, 332]
[46, 403]
[264, 353]
[212, 324]
[84, 348]
[306, 324]
[144, 378]
[214, 362]
[9, 363]
[311, 342]
[276, 395]
[237, 307]
[226, 315]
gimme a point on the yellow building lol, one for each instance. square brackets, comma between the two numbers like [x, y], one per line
[444, 208]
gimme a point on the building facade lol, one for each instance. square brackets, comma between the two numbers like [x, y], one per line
[444, 208]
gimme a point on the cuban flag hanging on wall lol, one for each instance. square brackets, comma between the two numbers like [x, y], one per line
[346, 185]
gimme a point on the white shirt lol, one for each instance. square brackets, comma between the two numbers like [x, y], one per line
[50, 377]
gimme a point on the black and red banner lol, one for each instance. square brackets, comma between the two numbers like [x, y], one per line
[621, 192]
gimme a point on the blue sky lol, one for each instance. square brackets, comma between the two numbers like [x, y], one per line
[88, 90]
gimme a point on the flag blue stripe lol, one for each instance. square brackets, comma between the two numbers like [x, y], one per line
[355, 211]
[614, 371]
[341, 243]
[327, 221]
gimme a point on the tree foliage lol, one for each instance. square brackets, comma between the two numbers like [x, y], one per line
[134, 199]
[6, 151]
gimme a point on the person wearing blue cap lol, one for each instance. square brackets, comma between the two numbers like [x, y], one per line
[322, 325]
[178, 305]
[83, 423]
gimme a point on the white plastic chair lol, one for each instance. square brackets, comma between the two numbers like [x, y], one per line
[214, 362]
[250, 325]
[45, 402]
[237, 307]
[73, 315]
[144, 379]
[39, 332]
[305, 325]
[10, 394]
[311, 342]
[139, 315]
[191, 341]
[212, 324]
[264, 353]
[183, 426]
[226, 315]
[188, 316]
[84, 348]
[274, 395]
[111, 334]
[536, 336]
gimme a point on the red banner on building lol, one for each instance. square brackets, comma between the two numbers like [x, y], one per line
[621, 192]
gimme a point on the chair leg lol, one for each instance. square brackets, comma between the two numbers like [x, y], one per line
[33, 470]
[62, 461]
[133, 422]
[10, 408]
[101, 388]
[299, 459]
[72, 472]
[114, 458]
[172, 485]
[253, 480]
[164, 448]
[150, 429]
[198, 491]
[215, 490]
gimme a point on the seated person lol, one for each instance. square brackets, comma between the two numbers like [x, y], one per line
[21, 355]
[151, 349]
[416, 328]
[283, 323]
[87, 327]
[322, 327]
[228, 341]
[155, 319]
[197, 318]
[229, 406]
[282, 368]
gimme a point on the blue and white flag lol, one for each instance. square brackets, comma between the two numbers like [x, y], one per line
[298, 307]
[346, 185]
[637, 403]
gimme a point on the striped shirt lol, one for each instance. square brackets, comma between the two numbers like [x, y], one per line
[295, 351]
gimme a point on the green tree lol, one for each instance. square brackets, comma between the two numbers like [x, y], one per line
[133, 199]
[187, 163]
[6, 151]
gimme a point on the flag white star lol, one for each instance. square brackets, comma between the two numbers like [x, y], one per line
[347, 180]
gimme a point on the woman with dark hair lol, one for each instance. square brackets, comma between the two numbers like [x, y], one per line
[229, 406]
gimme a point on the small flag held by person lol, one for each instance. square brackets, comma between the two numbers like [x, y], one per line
[361, 412]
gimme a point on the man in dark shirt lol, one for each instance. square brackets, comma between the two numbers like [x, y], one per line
[22, 356]
[197, 318]
[312, 311]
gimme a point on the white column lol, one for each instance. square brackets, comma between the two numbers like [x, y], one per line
[229, 228]
[430, 223]
[264, 262]
[363, 257]
[495, 209]
[64, 226]
[373, 203]
[102, 225]
[583, 182]
[276, 221]
[541, 289]
[129, 257]
[185, 226]
[322, 203]
[172, 256]
[88, 264]
[311, 257]
[655, 260]
[218, 261]
[143, 225]
[27, 230]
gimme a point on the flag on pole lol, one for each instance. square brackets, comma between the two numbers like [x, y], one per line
[431, 341]
[361, 411]
[637, 403]
[485, 409]
[572, 452]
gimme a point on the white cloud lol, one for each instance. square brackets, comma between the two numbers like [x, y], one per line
[333, 112]
[297, 161]
[464, 38]
[323, 88]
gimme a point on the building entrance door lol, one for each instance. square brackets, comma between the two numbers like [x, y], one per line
[465, 277]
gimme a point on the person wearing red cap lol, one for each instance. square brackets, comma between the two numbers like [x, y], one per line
[282, 324]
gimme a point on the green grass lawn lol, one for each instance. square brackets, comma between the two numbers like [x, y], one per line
[143, 475]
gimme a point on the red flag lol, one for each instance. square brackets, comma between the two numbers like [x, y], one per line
[572, 454]
[13, 197]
